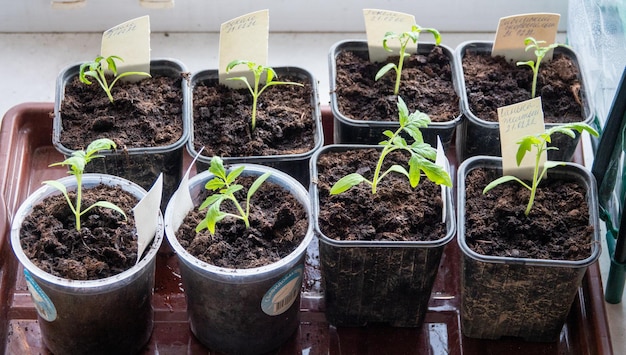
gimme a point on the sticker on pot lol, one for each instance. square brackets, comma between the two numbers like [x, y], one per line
[281, 296]
[43, 304]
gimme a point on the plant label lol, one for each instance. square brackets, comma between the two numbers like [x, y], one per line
[377, 24]
[516, 121]
[147, 216]
[243, 38]
[442, 160]
[181, 199]
[131, 42]
[513, 30]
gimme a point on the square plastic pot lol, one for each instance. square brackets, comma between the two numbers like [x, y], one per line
[520, 297]
[351, 131]
[477, 136]
[141, 165]
[376, 281]
[296, 165]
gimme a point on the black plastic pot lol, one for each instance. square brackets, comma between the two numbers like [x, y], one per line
[140, 165]
[477, 136]
[520, 297]
[296, 165]
[351, 131]
[376, 281]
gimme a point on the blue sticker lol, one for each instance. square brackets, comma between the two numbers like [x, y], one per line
[43, 304]
[281, 296]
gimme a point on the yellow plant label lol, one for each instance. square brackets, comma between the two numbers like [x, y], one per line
[516, 121]
[513, 30]
[131, 42]
[243, 38]
[377, 24]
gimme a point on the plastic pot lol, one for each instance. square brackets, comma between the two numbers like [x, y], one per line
[141, 165]
[107, 316]
[478, 136]
[352, 131]
[376, 281]
[296, 165]
[520, 297]
[242, 311]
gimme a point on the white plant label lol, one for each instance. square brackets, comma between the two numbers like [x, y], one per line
[279, 298]
[131, 42]
[379, 22]
[516, 121]
[243, 38]
[181, 199]
[147, 216]
[513, 30]
[442, 160]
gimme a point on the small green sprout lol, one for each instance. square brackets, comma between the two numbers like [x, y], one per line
[404, 39]
[540, 143]
[77, 163]
[421, 155]
[95, 70]
[540, 52]
[257, 70]
[226, 187]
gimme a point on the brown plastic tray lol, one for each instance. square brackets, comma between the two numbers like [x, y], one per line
[25, 152]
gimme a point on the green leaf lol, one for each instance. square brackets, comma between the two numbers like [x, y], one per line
[215, 198]
[101, 144]
[213, 216]
[384, 70]
[57, 185]
[109, 205]
[235, 63]
[346, 183]
[257, 183]
[217, 168]
[415, 173]
[436, 173]
[234, 174]
[231, 190]
[502, 180]
[214, 184]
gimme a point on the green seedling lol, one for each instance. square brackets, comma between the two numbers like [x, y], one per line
[77, 163]
[422, 155]
[226, 188]
[540, 52]
[257, 70]
[95, 70]
[539, 143]
[404, 39]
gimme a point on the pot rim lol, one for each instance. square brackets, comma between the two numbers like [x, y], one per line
[89, 179]
[258, 273]
[314, 193]
[568, 169]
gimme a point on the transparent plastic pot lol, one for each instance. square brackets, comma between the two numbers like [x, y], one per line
[107, 316]
[376, 281]
[527, 298]
[242, 311]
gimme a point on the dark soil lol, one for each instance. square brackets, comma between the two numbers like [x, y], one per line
[144, 114]
[106, 244]
[396, 212]
[493, 82]
[557, 227]
[426, 85]
[284, 123]
[278, 224]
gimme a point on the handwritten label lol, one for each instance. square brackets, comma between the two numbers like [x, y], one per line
[157, 4]
[147, 216]
[131, 42]
[379, 22]
[516, 121]
[513, 30]
[244, 38]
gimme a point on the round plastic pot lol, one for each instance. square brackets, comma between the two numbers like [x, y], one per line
[478, 136]
[351, 131]
[141, 165]
[526, 298]
[107, 316]
[376, 281]
[242, 311]
[296, 165]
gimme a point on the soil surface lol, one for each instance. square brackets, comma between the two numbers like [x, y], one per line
[396, 212]
[278, 224]
[106, 244]
[284, 122]
[493, 82]
[147, 113]
[556, 228]
[426, 85]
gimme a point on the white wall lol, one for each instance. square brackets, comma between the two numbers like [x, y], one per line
[285, 15]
